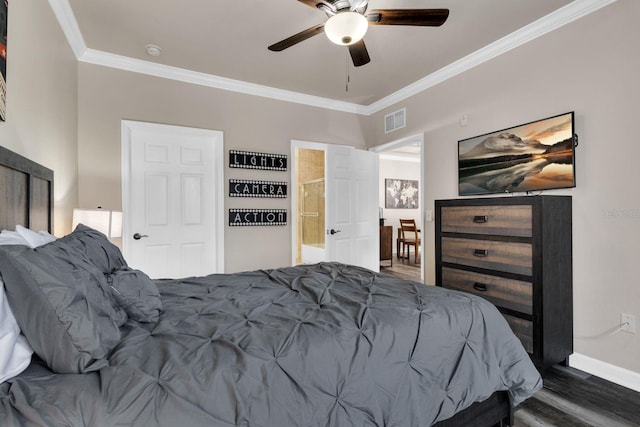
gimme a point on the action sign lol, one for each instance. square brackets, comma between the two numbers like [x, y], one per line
[257, 217]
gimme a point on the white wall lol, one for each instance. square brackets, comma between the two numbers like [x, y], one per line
[41, 100]
[398, 169]
[591, 66]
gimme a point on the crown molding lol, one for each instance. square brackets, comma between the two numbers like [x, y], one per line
[67, 21]
[125, 63]
[544, 25]
[563, 16]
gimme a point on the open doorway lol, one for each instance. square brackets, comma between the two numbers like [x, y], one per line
[334, 204]
[401, 164]
[310, 229]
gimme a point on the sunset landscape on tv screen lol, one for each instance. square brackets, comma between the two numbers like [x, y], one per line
[531, 157]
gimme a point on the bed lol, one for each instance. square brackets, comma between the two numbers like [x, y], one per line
[312, 345]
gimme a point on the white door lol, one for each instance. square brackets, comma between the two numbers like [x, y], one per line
[352, 207]
[173, 195]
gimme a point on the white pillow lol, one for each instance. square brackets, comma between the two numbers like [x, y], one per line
[8, 237]
[15, 351]
[34, 238]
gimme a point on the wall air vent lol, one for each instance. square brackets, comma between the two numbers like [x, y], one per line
[395, 120]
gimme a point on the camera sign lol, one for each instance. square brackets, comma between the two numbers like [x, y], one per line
[250, 188]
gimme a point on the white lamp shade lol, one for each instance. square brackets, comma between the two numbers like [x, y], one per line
[116, 225]
[346, 28]
[107, 222]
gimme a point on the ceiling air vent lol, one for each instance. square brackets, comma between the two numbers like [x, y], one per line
[395, 120]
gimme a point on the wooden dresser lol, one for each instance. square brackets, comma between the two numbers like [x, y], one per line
[515, 252]
[386, 243]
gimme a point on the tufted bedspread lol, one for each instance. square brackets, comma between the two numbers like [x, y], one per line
[316, 345]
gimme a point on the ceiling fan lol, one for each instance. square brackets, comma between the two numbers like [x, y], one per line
[349, 20]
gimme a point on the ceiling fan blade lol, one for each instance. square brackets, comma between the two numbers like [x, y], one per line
[297, 38]
[359, 5]
[359, 54]
[417, 17]
[311, 3]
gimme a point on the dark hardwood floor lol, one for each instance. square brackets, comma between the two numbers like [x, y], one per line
[569, 398]
[572, 398]
[403, 268]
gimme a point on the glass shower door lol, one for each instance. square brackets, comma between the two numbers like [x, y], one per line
[313, 218]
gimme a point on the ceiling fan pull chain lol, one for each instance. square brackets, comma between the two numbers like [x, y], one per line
[348, 78]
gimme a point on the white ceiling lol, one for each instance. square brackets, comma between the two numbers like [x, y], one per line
[213, 41]
[409, 152]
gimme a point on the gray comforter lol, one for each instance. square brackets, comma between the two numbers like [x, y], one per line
[321, 345]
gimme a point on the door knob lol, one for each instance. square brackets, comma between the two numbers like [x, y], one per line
[332, 231]
[139, 236]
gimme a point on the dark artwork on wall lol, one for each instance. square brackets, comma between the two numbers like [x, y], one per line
[240, 217]
[251, 188]
[252, 160]
[4, 6]
[400, 193]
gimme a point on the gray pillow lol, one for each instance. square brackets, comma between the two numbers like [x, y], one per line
[136, 293]
[62, 305]
[86, 270]
[97, 254]
[99, 250]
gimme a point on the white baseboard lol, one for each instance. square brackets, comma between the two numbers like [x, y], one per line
[607, 371]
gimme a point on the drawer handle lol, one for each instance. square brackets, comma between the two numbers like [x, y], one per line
[480, 287]
[481, 219]
[481, 252]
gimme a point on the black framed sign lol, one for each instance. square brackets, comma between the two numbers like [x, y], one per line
[243, 217]
[251, 188]
[253, 160]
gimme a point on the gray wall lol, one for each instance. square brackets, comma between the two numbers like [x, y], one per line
[41, 100]
[590, 66]
[106, 96]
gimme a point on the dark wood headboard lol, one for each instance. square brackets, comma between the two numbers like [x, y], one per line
[26, 193]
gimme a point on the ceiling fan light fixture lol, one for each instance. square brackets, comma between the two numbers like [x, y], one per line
[346, 28]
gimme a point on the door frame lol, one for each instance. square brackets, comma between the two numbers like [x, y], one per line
[295, 144]
[331, 150]
[413, 139]
[218, 191]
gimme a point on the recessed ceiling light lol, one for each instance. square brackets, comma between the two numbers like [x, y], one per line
[153, 50]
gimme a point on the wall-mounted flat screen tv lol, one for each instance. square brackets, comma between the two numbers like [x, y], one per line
[531, 157]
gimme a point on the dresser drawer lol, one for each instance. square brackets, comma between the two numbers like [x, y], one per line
[511, 257]
[515, 220]
[512, 294]
[523, 329]
[519, 249]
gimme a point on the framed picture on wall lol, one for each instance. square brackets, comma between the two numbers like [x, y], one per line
[400, 193]
[3, 59]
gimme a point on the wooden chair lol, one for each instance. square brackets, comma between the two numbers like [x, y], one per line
[410, 236]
